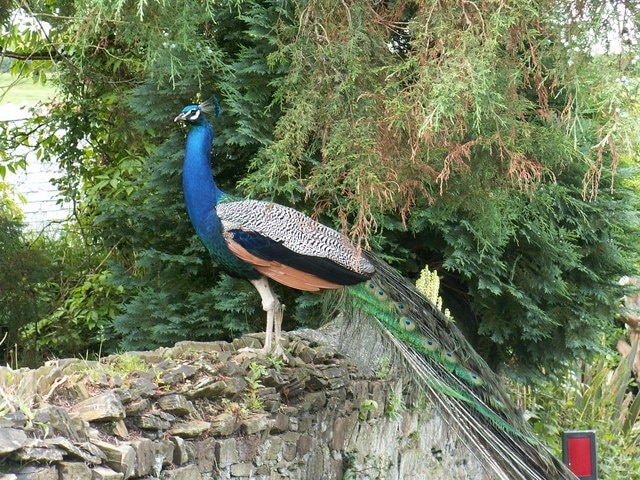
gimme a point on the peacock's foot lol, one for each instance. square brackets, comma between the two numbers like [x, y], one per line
[256, 351]
[276, 351]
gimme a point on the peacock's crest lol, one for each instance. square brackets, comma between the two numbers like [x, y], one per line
[211, 106]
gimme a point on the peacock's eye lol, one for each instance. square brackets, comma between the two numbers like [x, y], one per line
[194, 113]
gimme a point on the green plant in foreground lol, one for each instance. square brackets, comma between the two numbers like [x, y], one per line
[367, 407]
[236, 409]
[127, 363]
[275, 362]
[395, 406]
[121, 365]
[252, 397]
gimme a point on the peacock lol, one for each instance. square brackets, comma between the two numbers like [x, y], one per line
[261, 240]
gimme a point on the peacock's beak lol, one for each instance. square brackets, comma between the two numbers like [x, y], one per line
[180, 118]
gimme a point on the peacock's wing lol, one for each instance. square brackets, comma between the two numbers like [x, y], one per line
[291, 248]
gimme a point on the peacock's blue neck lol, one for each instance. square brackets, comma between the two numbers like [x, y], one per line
[201, 194]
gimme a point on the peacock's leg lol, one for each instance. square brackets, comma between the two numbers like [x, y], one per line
[272, 306]
[277, 324]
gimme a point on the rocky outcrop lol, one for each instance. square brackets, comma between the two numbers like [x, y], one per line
[212, 410]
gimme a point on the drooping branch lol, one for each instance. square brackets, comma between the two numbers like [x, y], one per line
[52, 55]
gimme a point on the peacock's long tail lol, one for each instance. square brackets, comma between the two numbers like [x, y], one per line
[453, 376]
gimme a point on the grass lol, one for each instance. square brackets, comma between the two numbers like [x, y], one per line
[22, 90]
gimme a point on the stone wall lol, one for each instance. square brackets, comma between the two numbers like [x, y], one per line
[202, 411]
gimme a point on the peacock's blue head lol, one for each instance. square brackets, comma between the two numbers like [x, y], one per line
[193, 114]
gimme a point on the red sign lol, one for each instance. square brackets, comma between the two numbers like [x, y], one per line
[579, 453]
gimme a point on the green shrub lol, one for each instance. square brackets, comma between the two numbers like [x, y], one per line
[598, 395]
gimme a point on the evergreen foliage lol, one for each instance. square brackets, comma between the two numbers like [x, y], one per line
[480, 138]
[536, 266]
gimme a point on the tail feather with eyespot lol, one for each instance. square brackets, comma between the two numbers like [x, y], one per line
[446, 368]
